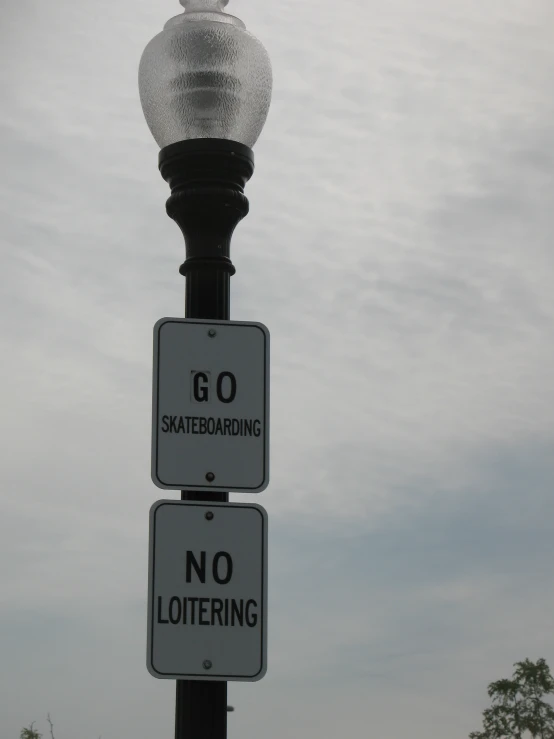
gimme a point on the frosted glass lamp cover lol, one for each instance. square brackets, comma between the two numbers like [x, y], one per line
[205, 76]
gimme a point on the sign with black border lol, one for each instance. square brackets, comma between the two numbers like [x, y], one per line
[210, 408]
[207, 591]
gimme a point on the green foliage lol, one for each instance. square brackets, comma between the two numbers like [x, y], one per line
[518, 709]
[29, 733]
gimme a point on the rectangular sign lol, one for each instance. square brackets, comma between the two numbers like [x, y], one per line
[210, 421]
[207, 591]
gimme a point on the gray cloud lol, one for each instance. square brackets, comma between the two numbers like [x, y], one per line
[398, 248]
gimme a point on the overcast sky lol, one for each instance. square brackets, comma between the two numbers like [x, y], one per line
[399, 249]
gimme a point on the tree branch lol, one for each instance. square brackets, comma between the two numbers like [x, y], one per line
[51, 726]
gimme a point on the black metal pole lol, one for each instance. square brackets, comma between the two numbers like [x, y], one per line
[207, 177]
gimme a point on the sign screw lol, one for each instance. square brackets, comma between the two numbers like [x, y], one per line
[206, 664]
[212, 332]
[208, 516]
[210, 477]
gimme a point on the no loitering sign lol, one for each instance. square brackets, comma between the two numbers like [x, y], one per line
[210, 419]
[207, 591]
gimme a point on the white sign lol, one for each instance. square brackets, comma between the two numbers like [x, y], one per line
[207, 591]
[210, 426]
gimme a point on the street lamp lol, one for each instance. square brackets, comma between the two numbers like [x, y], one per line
[205, 89]
[205, 76]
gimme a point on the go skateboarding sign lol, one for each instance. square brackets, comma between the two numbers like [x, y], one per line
[210, 420]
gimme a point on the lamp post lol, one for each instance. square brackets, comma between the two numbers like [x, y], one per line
[205, 89]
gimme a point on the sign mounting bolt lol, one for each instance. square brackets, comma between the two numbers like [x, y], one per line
[210, 477]
[208, 516]
[206, 664]
[212, 332]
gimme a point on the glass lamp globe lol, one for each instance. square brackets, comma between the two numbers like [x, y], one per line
[205, 76]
